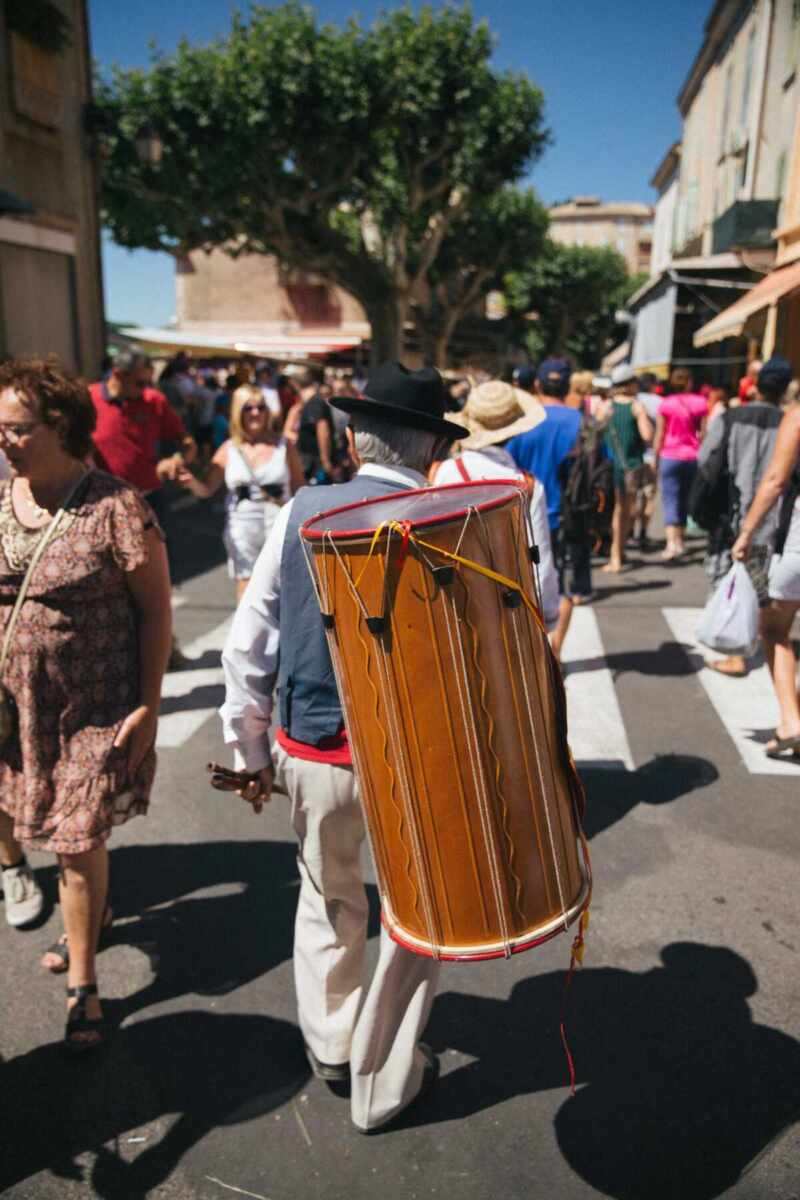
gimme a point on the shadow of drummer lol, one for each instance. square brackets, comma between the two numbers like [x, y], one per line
[678, 1088]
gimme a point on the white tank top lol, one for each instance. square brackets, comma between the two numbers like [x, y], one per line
[240, 475]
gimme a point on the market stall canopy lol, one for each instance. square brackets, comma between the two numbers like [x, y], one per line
[731, 322]
[221, 342]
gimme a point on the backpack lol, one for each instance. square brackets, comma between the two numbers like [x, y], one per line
[711, 493]
[587, 495]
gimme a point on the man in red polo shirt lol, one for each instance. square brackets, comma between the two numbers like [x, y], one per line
[133, 420]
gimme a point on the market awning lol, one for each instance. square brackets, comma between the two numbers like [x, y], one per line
[220, 342]
[732, 320]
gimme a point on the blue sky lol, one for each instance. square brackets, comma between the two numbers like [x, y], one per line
[609, 72]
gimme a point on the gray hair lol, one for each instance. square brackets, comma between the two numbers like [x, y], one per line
[385, 444]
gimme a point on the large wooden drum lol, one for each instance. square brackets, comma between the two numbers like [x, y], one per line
[455, 710]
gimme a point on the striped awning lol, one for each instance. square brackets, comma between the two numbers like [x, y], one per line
[212, 342]
[732, 321]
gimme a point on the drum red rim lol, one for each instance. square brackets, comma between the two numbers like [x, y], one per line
[312, 535]
[485, 955]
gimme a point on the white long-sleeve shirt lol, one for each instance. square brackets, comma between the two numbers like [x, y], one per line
[250, 657]
[496, 463]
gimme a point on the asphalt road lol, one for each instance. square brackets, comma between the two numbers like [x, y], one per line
[684, 1019]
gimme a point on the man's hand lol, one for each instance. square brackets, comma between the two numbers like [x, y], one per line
[258, 790]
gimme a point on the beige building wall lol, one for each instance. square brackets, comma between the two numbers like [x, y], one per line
[738, 105]
[253, 295]
[626, 228]
[50, 276]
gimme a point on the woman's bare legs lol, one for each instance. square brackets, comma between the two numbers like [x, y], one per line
[675, 541]
[10, 849]
[776, 625]
[620, 524]
[558, 634]
[83, 890]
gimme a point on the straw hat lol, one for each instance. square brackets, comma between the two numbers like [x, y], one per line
[497, 411]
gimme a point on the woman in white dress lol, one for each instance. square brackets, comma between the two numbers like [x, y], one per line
[261, 471]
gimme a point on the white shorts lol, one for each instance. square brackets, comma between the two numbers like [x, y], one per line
[784, 571]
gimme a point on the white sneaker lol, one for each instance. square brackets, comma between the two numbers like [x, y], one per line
[24, 899]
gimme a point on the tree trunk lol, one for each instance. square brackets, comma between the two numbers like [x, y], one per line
[387, 318]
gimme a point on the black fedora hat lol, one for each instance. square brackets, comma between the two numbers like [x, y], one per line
[416, 399]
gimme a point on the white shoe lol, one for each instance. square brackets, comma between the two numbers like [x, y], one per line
[24, 899]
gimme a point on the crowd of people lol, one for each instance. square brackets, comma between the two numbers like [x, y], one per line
[87, 634]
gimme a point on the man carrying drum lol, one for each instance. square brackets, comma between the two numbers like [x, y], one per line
[278, 638]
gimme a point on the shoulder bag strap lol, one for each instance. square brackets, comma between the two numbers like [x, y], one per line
[462, 470]
[41, 546]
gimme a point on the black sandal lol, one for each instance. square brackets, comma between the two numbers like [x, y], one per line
[785, 749]
[78, 1022]
[60, 949]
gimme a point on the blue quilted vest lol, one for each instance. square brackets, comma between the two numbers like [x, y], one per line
[309, 704]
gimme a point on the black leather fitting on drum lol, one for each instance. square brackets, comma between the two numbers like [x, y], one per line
[328, 620]
[511, 599]
[443, 576]
[536, 557]
[376, 625]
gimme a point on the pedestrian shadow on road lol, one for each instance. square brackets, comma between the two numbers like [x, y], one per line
[207, 944]
[605, 592]
[189, 1071]
[671, 659]
[612, 793]
[209, 916]
[679, 1090]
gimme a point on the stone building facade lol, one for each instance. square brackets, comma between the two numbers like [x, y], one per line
[587, 221]
[51, 298]
[252, 298]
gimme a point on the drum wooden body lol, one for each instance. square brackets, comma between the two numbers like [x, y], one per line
[455, 710]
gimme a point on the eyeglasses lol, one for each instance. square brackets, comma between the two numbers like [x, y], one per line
[254, 408]
[15, 431]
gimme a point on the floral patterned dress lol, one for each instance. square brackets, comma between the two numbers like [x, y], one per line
[73, 669]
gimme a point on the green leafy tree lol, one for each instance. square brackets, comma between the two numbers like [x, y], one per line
[347, 152]
[493, 235]
[564, 301]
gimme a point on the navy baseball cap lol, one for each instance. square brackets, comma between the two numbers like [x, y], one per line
[554, 370]
[525, 377]
[775, 375]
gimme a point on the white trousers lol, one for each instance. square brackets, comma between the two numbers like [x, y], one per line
[378, 1032]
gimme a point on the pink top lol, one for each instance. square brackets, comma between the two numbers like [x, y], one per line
[683, 416]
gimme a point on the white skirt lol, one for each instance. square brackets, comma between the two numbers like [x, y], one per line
[244, 537]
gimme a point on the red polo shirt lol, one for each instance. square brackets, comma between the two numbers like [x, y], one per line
[128, 432]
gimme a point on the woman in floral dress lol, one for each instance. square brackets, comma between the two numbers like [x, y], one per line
[87, 656]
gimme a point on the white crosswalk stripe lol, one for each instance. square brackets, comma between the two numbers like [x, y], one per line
[597, 734]
[746, 707]
[596, 730]
[181, 718]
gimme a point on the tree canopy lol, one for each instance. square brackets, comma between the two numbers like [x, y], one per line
[564, 300]
[493, 235]
[345, 151]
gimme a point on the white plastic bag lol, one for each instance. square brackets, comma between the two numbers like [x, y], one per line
[729, 622]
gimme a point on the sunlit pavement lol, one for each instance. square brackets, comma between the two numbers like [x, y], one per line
[682, 1022]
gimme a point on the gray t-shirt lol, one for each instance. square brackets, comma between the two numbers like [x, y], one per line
[750, 448]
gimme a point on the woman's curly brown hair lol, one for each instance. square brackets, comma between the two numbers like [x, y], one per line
[59, 400]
